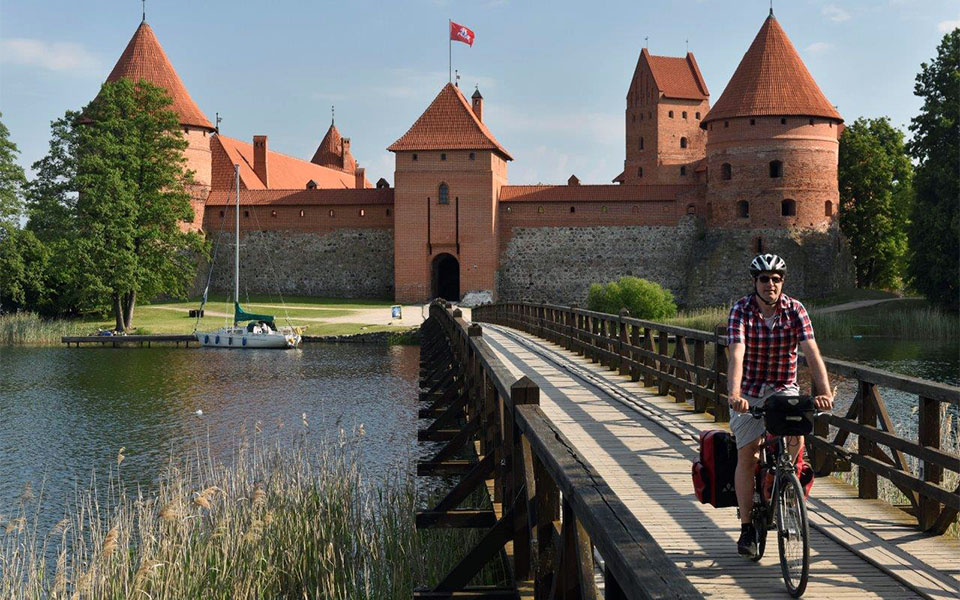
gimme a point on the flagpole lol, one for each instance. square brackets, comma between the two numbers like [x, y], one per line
[449, 52]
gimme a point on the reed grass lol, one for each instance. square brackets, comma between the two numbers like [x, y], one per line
[24, 328]
[278, 521]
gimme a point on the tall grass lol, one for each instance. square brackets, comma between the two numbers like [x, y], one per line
[24, 328]
[292, 521]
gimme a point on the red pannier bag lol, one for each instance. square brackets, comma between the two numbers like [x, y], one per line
[713, 473]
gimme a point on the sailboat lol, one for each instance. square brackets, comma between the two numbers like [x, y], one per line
[249, 330]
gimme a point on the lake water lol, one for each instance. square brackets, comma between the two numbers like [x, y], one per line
[65, 413]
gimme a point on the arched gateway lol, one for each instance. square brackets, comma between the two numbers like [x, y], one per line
[445, 277]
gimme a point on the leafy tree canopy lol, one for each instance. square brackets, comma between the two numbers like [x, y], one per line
[644, 299]
[934, 233]
[12, 178]
[875, 177]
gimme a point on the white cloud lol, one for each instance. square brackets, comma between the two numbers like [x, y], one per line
[53, 56]
[819, 47]
[947, 26]
[835, 13]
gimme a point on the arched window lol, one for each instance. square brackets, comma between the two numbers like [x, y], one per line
[726, 171]
[683, 142]
[776, 168]
[670, 114]
[684, 114]
[788, 208]
[443, 196]
[698, 116]
[362, 212]
[683, 171]
[331, 213]
[639, 171]
[828, 209]
[691, 209]
[573, 209]
[743, 209]
[540, 209]
[641, 142]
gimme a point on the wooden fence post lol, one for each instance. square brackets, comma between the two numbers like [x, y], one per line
[523, 391]
[622, 341]
[928, 435]
[868, 417]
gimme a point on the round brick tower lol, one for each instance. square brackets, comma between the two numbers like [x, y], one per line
[144, 58]
[772, 143]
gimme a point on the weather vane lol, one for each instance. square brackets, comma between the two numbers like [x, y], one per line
[144, 6]
[456, 76]
[218, 122]
[646, 42]
[332, 113]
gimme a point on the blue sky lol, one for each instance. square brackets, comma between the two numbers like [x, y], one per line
[553, 74]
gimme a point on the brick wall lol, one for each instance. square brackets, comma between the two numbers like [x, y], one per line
[306, 218]
[199, 161]
[809, 177]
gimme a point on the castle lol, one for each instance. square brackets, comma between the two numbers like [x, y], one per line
[703, 188]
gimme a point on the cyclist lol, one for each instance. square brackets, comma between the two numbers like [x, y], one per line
[763, 332]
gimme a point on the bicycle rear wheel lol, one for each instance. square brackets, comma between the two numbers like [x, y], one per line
[793, 534]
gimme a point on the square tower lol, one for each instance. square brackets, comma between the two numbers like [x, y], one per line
[449, 170]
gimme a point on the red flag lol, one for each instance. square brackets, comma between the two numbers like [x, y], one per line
[459, 33]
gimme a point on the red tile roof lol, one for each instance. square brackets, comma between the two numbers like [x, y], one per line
[144, 58]
[328, 152]
[677, 77]
[285, 172]
[449, 123]
[771, 80]
[316, 197]
[591, 193]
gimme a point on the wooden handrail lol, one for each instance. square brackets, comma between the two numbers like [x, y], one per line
[641, 349]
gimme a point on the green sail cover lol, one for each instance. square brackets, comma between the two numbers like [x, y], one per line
[240, 315]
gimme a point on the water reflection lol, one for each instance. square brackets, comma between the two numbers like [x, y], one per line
[65, 413]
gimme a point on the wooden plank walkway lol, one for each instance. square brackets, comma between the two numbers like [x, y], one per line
[643, 445]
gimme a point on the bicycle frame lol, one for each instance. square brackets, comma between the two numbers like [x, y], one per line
[781, 464]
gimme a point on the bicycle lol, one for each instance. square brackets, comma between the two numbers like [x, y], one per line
[784, 416]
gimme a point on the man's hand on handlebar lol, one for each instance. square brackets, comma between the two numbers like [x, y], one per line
[738, 404]
[823, 402]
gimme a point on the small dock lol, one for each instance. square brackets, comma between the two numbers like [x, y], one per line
[118, 340]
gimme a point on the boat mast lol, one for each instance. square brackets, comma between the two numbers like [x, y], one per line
[236, 244]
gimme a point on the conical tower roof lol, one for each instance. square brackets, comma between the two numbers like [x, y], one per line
[328, 152]
[449, 123]
[771, 80]
[144, 58]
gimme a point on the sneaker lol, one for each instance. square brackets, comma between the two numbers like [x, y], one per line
[747, 544]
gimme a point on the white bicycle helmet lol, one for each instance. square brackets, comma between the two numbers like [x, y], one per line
[767, 263]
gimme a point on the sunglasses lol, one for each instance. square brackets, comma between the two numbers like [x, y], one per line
[768, 279]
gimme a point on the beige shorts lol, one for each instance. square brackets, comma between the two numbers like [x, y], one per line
[744, 426]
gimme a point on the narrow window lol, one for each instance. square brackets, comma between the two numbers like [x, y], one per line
[743, 209]
[670, 114]
[758, 245]
[684, 114]
[788, 208]
[603, 209]
[273, 213]
[444, 194]
[698, 116]
[811, 121]
[331, 213]
[639, 171]
[683, 142]
[753, 121]
[443, 156]
[726, 171]
[828, 209]
[691, 209]
[776, 168]
[641, 142]
[362, 212]
[726, 123]
[540, 209]
[414, 156]
[221, 213]
[388, 212]
[301, 213]
[246, 213]
[509, 209]
[783, 121]
[473, 156]
[633, 118]
[573, 209]
[683, 171]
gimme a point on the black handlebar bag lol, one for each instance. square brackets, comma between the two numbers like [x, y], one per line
[789, 415]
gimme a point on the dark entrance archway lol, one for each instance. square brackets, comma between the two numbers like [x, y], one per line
[446, 277]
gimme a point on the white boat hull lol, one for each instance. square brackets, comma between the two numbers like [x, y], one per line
[244, 340]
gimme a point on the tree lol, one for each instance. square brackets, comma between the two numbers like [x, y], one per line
[12, 178]
[23, 262]
[934, 264]
[644, 299]
[875, 177]
[112, 193]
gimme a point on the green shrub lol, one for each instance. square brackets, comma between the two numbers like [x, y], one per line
[644, 299]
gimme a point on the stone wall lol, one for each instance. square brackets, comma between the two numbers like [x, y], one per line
[701, 267]
[347, 263]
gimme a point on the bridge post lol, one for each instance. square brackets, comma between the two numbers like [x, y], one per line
[622, 366]
[867, 485]
[928, 435]
[523, 391]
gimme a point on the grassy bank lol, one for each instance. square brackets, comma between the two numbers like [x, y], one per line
[312, 314]
[905, 319]
[293, 522]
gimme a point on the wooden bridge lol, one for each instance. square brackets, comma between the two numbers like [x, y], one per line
[578, 430]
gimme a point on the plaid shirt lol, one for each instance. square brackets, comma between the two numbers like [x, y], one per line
[771, 352]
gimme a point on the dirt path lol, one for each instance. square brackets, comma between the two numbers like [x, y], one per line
[854, 305]
[413, 315]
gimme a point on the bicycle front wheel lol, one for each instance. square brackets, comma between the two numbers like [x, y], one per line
[793, 535]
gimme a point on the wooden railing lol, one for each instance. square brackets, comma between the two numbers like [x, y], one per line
[550, 508]
[695, 371]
